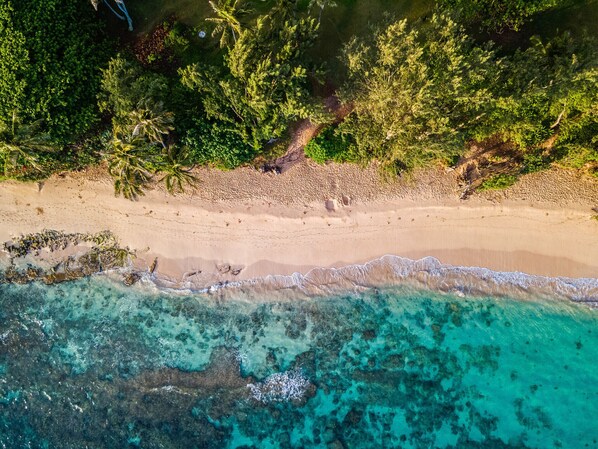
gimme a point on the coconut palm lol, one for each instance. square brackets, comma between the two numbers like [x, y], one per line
[227, 20]
[177, 173]
[129, 164]
[20, 145]
[151, 123]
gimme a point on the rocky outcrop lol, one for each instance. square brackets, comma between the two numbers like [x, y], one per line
[52, 256]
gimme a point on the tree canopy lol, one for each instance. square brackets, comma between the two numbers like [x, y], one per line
[264, 82]
[415, 93]
[411, 92]
[500, 14]
[50, 54]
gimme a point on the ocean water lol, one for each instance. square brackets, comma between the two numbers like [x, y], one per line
[93, 364]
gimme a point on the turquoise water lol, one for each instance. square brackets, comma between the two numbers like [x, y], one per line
[92, 364]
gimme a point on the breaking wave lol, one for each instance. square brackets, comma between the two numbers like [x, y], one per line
[394, 271]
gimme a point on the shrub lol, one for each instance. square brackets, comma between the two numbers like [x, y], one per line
[54, 49]
[499, 182]
[216, 144]
[330, 146]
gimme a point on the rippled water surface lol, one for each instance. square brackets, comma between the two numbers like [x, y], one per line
[94, 365]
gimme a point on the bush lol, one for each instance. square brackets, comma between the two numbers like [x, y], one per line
[499, 182]
[58, 46]
[216, 144]
[330, 146]
[534, 161]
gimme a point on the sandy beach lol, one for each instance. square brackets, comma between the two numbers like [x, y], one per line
[245, 224]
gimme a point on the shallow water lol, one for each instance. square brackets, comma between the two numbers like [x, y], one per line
[93, 364]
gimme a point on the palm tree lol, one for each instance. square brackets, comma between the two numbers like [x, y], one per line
[19, 145]
[175, 167]
[151, 123]
[227, 13]
[129, 164]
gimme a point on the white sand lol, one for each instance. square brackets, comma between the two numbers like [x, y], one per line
[266, 224]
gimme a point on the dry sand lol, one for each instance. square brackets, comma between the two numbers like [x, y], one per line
[244, 224]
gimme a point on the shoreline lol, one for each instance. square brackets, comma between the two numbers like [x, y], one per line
[244, 225]
[390, 272]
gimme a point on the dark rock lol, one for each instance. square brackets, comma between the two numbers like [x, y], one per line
[131, 278]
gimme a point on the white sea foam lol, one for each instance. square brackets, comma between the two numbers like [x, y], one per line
[427, 273]
[280, 387]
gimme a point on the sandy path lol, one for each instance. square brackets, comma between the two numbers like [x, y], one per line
[268, 224]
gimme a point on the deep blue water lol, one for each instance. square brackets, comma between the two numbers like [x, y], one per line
[92, 364]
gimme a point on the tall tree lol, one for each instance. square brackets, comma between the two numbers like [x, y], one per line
[415, 92]
[547, 96]
[175, 168]
[264, 83]
[129, 164]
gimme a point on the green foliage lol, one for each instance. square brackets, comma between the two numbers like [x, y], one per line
[415, 93]
[226, 20]
[20, 148]
[582, 157]
[129, 164]
[498, 182]
[330, 146]
[547, 96]
[217, 144]
[500, 14]
[177, 39]
[13, 62]
[535, 160]
[263, 84]
[173, 164]
[50, 51]
[141, 127]
[126, 86]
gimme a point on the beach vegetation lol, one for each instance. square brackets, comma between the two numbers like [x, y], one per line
[546, 100]
[230, 82]
[227, 20]
[417, 92]
[20, 148]
[499, 182]
[330, 145]
[263, 82]
[217, 144]
[176, 169]
[50, 55]
[129, 163]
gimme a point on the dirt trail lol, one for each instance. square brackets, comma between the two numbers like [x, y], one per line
[305, 130]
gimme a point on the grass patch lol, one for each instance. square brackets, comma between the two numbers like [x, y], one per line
[498, 182]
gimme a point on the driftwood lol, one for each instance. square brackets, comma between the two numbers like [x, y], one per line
[153, 266]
